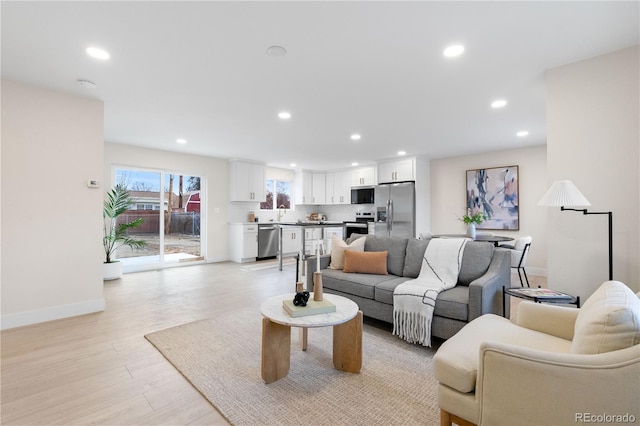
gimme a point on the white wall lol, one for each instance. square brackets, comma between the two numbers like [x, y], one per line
[215, 174]
[593, 140]
[448, 196]
[51, 221]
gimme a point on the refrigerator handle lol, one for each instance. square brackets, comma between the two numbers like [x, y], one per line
[390, 216]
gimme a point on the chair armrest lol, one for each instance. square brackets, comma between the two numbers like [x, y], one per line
[557, 321]
[485, 293]
[325, 260]
[518, 385]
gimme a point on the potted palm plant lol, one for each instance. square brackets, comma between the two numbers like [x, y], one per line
[115, 234]
[471, 220]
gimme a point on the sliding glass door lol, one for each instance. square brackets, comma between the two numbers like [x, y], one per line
[172, 220]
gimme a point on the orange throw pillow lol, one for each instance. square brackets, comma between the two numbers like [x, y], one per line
[365, 262]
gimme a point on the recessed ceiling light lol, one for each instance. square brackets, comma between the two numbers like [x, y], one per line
[522, 133]
[276, 51]
[292, 165]
[356, 137]
[86, 83]
[354, 164]
[182, 141]
[98, 53]
[453, 51]
[402, 152]
[284, 115]
[498, 103]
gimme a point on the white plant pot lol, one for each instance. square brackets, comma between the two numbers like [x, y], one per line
[112, 271]
[471, 231]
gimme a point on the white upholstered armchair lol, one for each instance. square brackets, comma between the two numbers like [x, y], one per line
[557, 365]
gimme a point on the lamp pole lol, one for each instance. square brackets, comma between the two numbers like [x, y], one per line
[610, 214]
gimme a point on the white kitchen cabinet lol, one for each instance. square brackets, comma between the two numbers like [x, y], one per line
[328, 234]
[311, 235]
[338, 188]
[363, 176]
[291, 240]
[396, 171]
[247, 181]
[243, 242]
[319, 188]
[310, 188]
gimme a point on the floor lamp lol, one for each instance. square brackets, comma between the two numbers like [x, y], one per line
[564, 193]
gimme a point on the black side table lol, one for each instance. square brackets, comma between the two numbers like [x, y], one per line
[539, 295]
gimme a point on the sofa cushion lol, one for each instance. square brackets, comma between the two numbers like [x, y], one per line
[338, 248]
[475, 261]
[453, 303]
[362, 285]
[369, 262]
[609, 320]
[413, 259]
[396, 248]
[384, 290]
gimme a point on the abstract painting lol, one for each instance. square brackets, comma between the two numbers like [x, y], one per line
[494, 192]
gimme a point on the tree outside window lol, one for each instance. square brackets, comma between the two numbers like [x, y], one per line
[279, 189]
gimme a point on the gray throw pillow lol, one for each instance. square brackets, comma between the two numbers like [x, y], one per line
[396, 248]
[413, 259]
[475, 261]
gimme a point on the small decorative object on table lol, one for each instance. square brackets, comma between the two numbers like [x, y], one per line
[317, 275]
[310, 307]
[471, 220]
[301, 298]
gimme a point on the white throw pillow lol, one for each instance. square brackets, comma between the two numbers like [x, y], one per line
[338, 248]
[609, 320]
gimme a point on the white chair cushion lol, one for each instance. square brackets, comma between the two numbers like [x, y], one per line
[338, 248]
[456, 362]
[609, 320]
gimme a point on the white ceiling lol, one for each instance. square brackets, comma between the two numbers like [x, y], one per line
[199, 71]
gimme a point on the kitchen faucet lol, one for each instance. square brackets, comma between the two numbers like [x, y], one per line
[281, 213]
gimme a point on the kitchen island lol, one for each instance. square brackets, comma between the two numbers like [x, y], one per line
[321, 224]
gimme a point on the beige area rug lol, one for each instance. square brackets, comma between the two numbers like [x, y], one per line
[221, 359]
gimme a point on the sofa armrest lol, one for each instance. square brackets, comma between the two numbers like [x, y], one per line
[325, 260]
[485, 293]
[519, 385]
[557, 321]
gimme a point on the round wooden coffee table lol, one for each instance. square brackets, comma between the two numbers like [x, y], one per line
[276, 335]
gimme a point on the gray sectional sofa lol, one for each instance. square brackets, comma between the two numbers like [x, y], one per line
[484, 270]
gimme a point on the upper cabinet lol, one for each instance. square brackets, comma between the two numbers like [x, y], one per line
[247, 181]
[310, 188]
[363, 176]
[338, 188]
[396, 171]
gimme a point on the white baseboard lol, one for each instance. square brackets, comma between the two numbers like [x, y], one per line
[49, 314]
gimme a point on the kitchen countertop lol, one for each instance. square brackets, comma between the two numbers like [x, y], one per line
[311, 223]
[303, 223]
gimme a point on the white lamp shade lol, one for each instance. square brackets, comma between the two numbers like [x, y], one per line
[563, 193]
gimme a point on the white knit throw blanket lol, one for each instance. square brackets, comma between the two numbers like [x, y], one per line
[414, 300]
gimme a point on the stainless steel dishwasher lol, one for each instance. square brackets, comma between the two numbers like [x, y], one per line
[267, 241]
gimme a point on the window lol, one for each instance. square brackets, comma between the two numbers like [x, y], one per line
[282, 191]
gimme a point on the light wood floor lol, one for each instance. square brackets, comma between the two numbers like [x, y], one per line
[99, 369]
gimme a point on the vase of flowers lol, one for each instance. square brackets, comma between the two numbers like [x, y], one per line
[471, 220]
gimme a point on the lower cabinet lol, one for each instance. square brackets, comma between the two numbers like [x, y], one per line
[243, 242]
[291, 241]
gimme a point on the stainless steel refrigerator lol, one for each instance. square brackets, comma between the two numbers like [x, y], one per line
[395, 210]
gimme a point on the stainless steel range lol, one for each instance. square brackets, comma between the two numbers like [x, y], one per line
[360, 225]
